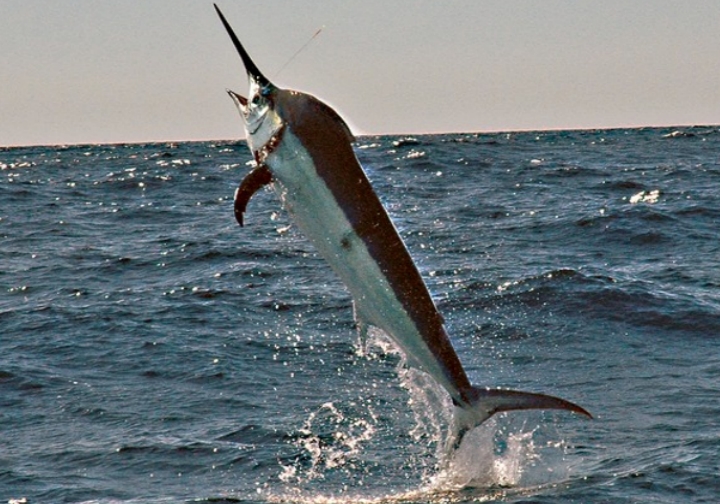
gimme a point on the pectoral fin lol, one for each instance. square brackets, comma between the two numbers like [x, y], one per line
[256, 179]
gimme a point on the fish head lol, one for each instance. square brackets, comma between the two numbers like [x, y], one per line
[260, 117]
[258, 111]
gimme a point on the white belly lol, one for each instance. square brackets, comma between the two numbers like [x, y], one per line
[317, 214]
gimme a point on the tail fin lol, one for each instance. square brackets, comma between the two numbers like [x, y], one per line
[484, 403]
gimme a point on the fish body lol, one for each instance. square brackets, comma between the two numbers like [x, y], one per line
[304, 148]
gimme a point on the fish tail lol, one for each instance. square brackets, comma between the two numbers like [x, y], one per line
[484, 403]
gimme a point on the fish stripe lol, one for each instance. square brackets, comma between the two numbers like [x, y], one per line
[316, 125]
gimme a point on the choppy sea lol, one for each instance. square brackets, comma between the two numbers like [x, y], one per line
[153, 351]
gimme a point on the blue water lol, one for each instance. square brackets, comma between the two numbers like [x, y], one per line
[153, 351]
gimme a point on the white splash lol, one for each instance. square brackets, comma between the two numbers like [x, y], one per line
[499, 458]
[343, 444]
[649, 197]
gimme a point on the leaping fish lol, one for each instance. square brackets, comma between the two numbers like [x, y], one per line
[304, 149]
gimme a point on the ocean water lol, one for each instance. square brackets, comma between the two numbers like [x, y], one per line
[153, 351]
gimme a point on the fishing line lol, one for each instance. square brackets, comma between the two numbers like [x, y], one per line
[299, 51]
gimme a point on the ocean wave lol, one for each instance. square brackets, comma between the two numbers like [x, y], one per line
[151, 350]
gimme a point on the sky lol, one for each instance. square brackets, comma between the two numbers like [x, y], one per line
[106, 71]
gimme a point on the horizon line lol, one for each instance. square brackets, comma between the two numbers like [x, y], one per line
[360, 135]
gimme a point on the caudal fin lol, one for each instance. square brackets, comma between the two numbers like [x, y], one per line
[484, 403]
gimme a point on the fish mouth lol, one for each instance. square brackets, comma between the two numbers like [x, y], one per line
[239, 99]
[251, 126]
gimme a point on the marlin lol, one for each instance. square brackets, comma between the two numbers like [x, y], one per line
[303, 148]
